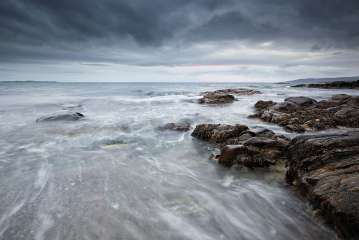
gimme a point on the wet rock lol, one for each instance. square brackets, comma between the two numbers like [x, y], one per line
[325, 168]
[263, 132]
[218, 133]
[299, 114]
[223, 96]
[286, 107]
[181, 127]
[235, 91]
[216, 98]
[61, 116]
[301, 101]
[256, 152]
[340, 97]
[241, 146]
[264, 104]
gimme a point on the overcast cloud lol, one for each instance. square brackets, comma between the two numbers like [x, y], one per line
[178, 40]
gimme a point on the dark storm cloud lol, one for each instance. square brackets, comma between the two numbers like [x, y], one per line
[233, 25]
[73, 29]
[331, 23]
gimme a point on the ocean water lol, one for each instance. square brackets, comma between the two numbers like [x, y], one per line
[113, 175]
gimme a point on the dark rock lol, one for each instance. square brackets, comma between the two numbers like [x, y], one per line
[239, 145]
[286, 107]
[325, 168]
[62, 116]
[264, 104]
[295, 128]
[235, 91]
[223, 96]
[340, 97]
[218, 133]
[261, 142]
[181, 127]
[216, 98]
[301, 101]
[253, 153]
[263, 132]
[242, 155]
[347, 116]
[301, 114]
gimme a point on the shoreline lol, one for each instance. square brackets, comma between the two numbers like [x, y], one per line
[239, 145]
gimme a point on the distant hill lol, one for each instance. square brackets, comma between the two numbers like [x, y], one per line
[320, 80]
[332, 85]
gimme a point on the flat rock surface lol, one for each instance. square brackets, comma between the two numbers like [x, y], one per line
[325, 168]
[300, 114]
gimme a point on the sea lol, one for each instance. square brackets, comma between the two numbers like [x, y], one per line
[114, 175]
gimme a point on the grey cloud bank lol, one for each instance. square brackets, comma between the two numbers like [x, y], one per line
[219, 40]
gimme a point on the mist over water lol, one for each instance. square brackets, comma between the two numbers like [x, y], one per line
[114, 175]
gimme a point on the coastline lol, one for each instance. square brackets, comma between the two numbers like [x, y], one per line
[135, 144]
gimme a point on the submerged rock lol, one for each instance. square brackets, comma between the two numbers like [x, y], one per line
[216, 98]
[325, 168]
[301, 114]
[181, 127]
[61, 116]
[239, 145]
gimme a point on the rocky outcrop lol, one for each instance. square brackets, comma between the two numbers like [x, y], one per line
[300, 114]
[180, 127]
[61, 116]
[223, 96]
[240, 145]
[264, 104]
[216, 98]
[218, 133]
[235, 91]
[301, 101]
[337, 84]
[325, 168]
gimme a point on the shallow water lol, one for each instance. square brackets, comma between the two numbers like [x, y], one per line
[113, 175]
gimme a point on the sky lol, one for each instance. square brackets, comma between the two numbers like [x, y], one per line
[178, 40]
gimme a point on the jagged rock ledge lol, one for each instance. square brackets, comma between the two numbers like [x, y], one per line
[325, 168]
[241, 146]
[300, 114]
